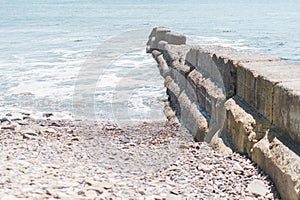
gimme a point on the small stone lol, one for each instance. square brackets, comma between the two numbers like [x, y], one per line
[22, 123]
[104, 195]
[54, 124]
[182, 146]
[257, 187]
[47, 115]
[26, 117]
[220, 169]
[50, 130]
[204, 168]
[15, 119]
[173, 168]
[237, 167]
[270, 196]
[141, 191]
[109, 127]
[82, 193]
[173, 197]
[63, 196]
[75, 139]
[175, 191]
[248, 167]
[39, 191]
[53, 166]
[52, 193]
[4, 119]
[28, 136]
[159, 198]
[131, 144]
[9, 127]
[194, 145]
[121, 184]
[31, 132]
[125, 140]
[106, 185]
[9, 167]
[97, 190]
[97, 184]
[91, 194]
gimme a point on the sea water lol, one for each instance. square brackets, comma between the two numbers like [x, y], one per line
[55, 58]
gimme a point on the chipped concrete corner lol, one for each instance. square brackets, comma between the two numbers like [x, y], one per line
[248, 101]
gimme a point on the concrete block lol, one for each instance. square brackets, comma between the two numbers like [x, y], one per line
[280, 163]
[239, 126]
[170, 113]
[257, 85]
[286, 109]
[204, 63]
[264, 96]
[178, 78]
[195, 80]
[157, 34]
[192, 56]
[175, 38]
[182, 69]
[163, 66]
[224, 73]
[244, 125]
[152, 34]
[201, 93]
[246, 83]
[220, 63]
[152, 44]
[207, 65]
[161, 46]
[172, 86]
[176, 53]
[155, 54]
[192, 118]
[173, 102]
[161, 33]
[191, 92]
[210, 97]
[254, 88]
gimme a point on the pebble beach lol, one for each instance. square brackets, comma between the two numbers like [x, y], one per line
[65, 159]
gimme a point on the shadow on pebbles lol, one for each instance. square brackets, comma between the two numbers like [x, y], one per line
[59, 159]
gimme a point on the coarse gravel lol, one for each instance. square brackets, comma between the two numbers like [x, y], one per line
[65, 159]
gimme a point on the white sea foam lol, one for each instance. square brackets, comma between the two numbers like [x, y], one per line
[123, 88]
[202, 40]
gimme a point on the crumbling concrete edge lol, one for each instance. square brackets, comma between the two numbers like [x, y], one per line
[252, 124]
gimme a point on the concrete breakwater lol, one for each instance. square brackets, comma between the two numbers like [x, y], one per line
[247, 101]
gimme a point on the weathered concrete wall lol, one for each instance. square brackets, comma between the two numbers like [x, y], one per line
[243, 99]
